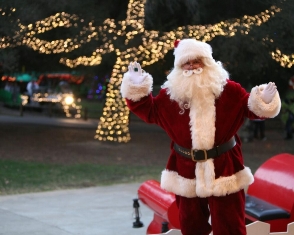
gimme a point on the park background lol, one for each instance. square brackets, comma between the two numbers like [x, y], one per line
[97, 40]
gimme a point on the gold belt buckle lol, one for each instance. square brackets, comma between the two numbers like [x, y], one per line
[193, 157]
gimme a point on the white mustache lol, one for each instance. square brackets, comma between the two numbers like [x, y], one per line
[188, 73]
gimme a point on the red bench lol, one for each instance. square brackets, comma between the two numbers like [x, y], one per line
[271, 197]
[162, 203]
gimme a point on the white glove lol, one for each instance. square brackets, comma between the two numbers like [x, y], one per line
[268, 93]
[136, 73]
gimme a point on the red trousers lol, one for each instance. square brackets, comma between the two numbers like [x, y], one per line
[227, 215]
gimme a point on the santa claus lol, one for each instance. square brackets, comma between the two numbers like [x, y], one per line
[201, 110]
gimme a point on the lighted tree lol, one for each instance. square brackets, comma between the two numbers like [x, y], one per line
[130, 41]
[114, 122]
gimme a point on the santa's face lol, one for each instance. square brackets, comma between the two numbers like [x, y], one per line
[192, 64]
[195, 79]
[191, 67]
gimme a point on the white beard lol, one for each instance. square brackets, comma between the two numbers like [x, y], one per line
[198, 92]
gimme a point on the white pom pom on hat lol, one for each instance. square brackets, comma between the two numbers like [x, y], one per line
[187, 49]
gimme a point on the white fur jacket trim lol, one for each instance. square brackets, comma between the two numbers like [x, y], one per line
[259, 107]
[201, 187]
[133, 91]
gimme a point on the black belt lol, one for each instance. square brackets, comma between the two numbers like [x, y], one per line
[202, 155]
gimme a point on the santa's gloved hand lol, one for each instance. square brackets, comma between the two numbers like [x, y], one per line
[136, 73]
[268, 93]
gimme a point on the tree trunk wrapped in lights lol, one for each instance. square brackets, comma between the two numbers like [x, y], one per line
[114, 122]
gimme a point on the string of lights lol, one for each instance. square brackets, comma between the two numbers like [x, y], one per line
[27, 34]
[286, 61]
[114, 122]
[156, 44]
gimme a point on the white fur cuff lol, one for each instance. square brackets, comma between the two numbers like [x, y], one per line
[262, 109]
[135, 92]
[171, 181]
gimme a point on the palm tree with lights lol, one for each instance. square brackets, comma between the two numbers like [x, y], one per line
[114, 122]
[120, 38]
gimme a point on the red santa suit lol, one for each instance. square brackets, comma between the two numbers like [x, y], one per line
[213, 187]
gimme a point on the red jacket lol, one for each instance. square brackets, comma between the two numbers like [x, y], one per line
[220, 176]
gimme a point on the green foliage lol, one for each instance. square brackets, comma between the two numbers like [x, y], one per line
[165, 15]
[214, 11]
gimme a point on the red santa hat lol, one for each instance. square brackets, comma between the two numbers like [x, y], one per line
[188, 49]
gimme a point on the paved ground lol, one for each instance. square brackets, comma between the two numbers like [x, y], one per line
[99, 210]
[90, 211]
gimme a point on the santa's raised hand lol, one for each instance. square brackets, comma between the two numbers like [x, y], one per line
[136, 73]
[268, 93]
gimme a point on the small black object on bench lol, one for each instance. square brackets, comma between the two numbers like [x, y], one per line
[263, 211]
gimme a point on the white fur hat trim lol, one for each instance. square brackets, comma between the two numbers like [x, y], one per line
[188, 49]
